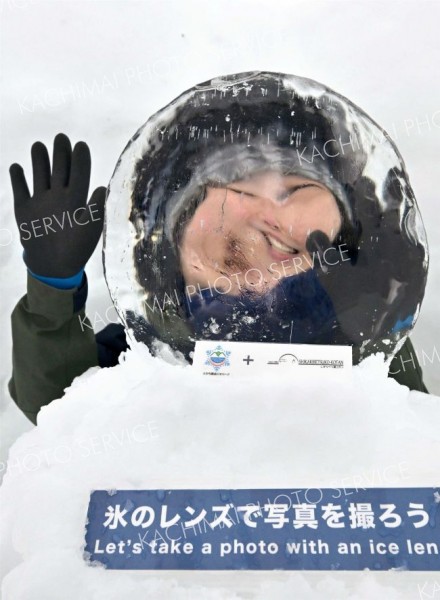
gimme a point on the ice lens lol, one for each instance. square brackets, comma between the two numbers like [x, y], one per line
[214, 200]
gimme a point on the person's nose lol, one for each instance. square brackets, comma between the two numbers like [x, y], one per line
[268, 213]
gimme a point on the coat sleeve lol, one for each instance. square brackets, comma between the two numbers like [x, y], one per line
[406, 370]
[53, 342]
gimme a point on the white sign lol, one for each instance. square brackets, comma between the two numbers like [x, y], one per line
[241, 358]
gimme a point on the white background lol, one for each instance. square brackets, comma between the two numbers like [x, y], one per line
[97, 70]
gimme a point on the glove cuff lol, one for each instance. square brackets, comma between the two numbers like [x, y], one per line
[61, 283]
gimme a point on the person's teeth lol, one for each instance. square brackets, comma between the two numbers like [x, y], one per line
[280, 246]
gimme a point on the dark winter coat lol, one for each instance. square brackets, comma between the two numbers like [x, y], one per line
[53, 342]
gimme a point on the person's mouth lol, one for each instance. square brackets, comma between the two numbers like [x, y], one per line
[278, 249]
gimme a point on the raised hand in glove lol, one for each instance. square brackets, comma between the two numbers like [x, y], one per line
[374, 288]
[59, 230]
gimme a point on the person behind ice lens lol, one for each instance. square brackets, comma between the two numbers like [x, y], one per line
[246, 265]
[252, 233]
[259, 220]
[178, 177]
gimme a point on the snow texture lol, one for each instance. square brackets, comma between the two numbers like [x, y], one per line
[148, 424]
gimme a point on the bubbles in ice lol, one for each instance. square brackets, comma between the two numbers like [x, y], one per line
[129, 505]
[225, 496]
[248, 320]
[214, 327]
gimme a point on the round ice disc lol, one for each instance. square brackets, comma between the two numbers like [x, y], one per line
[264, 207]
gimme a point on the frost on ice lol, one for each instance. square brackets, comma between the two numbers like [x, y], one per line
[260, 199]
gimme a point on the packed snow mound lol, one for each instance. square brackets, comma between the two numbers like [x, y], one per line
[148, 424]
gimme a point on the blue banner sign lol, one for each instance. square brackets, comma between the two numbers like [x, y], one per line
[314, 529]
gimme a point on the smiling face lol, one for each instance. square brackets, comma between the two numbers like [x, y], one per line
[251, 233]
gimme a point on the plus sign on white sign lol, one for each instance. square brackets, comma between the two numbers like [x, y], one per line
[223, 358]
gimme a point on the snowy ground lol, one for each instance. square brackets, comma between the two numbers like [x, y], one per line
[97, 70]
[219, 436]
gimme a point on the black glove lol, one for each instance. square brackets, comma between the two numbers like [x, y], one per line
[58, 229]
[378, 282]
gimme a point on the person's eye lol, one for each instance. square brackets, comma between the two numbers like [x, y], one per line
[242, 192]
[290, 192]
